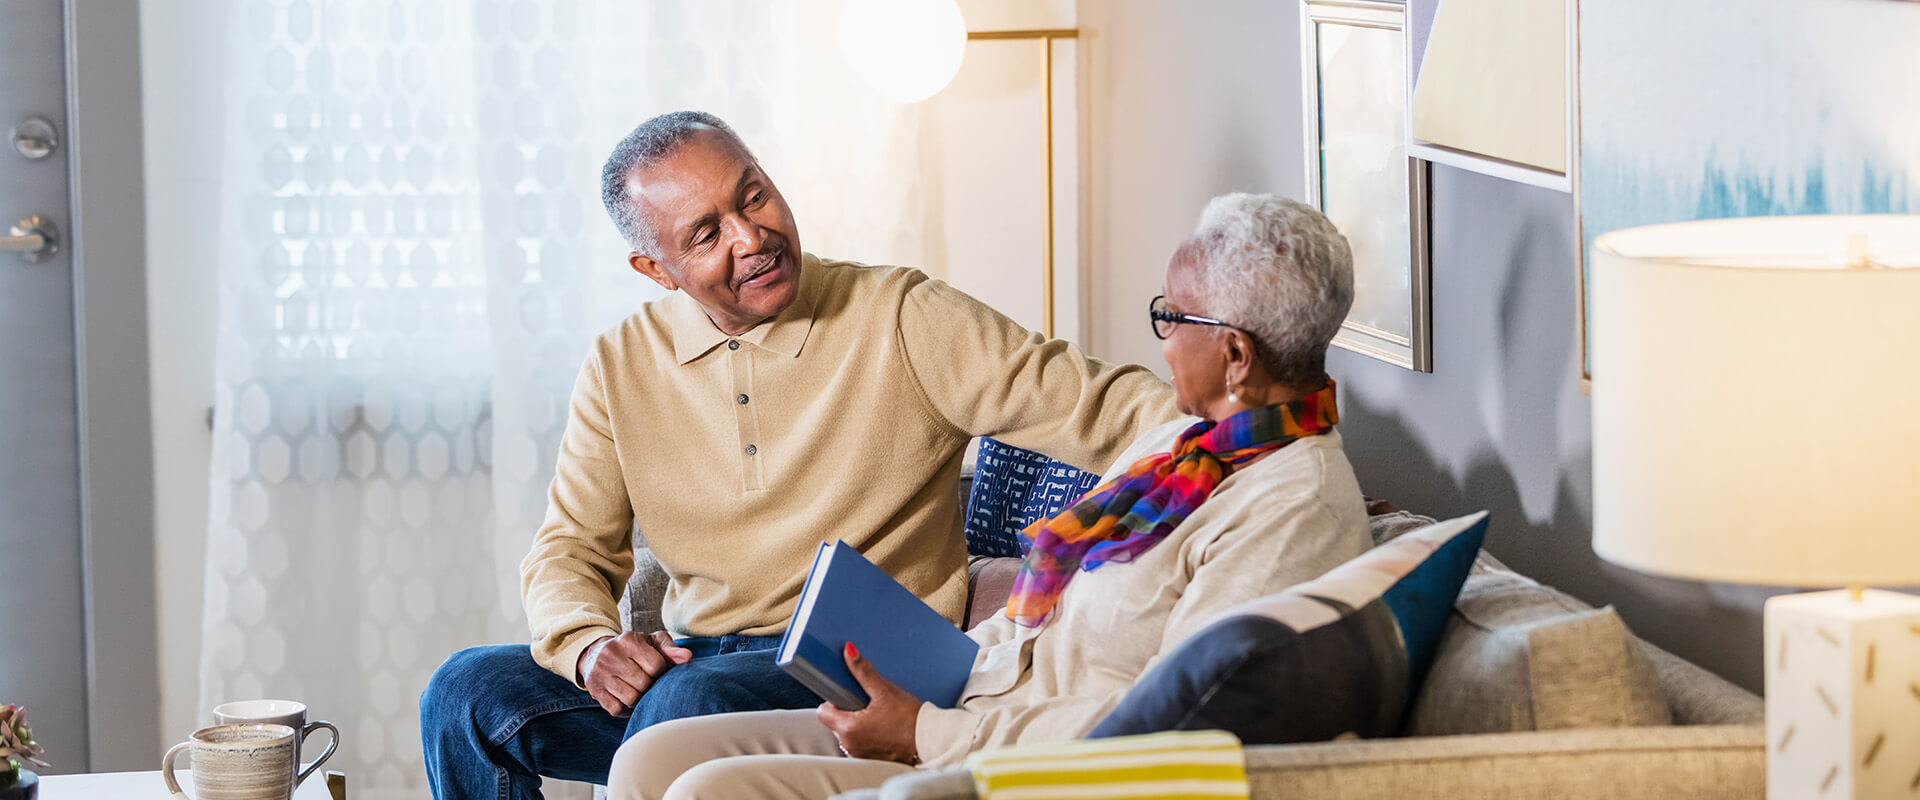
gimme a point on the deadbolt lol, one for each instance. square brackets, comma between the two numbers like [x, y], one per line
[34, 138]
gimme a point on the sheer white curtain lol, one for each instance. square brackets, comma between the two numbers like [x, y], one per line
[413, 257]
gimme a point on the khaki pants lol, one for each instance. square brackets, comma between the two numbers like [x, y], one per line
[758, 754]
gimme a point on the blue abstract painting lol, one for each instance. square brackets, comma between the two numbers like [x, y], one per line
[1691, 110]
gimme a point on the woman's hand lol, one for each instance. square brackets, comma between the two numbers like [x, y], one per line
[883, 730]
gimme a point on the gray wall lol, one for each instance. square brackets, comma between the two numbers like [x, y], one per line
[1194, 99]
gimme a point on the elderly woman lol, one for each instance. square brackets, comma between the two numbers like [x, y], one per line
[1195, 518]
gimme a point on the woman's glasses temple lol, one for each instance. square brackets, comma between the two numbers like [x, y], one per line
[1157, 313]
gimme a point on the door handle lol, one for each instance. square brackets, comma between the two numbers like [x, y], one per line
[34, 238]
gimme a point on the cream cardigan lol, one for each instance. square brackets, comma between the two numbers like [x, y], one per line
[1283, 520]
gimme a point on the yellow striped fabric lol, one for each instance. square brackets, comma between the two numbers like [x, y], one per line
[1180, 764]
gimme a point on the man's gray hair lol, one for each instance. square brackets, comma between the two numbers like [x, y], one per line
[647, 145]
[1278, 270]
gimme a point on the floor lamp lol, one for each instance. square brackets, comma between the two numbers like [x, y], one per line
[910, 49]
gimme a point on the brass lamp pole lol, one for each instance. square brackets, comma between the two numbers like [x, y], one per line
[1045, 36]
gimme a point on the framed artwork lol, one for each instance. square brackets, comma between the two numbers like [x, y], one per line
[1360, 175]
[1494, 86]
[1789, 107]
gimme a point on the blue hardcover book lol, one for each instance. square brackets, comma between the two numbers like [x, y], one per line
[847, 598]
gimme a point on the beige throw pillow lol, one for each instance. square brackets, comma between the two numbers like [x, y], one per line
[1518, 656]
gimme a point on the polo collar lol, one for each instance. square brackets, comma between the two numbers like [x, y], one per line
[694, 335]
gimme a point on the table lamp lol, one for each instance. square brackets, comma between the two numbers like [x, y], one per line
[1756, 419]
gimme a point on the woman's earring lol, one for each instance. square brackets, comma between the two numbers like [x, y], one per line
[1232, 396]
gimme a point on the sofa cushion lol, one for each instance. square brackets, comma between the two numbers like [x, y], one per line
[1012, 488]
[1345, 652]
[1389, 526]
[646, 590]
[989, 583]
[1520, 656]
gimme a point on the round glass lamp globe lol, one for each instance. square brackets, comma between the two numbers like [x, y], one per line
[908, 50]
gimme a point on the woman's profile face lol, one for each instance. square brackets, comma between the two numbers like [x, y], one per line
[1193, 352]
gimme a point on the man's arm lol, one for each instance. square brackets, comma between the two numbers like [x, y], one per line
[585, 547]
[987, 376]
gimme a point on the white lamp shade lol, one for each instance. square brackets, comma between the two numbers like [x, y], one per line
[908, 50]
[1756, 400]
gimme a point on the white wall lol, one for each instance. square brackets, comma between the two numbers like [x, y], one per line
[181, 54]
[983, 167]
[1188, 100]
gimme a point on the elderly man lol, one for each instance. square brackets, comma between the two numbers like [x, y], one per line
[772, 401]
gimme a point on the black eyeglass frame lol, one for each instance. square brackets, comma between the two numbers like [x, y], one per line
[1157, 313]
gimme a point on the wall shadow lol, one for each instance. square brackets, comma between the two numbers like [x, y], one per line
[1501, 426]
[1703, 623]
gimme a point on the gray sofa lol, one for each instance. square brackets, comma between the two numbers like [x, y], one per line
[1533, 694]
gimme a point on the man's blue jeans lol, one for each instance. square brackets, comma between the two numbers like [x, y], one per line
[493, 722]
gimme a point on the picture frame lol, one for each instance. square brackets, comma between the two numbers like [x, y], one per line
[1358, 171]
[1492, 122]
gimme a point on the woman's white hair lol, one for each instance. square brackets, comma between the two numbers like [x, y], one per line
[1278, 270]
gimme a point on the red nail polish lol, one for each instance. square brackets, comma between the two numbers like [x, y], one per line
[852, 652]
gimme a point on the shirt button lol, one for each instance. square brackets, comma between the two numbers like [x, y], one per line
[751, 449]
[733, 344]
[741, 399]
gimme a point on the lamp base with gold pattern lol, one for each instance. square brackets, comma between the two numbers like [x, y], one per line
[1843, 695]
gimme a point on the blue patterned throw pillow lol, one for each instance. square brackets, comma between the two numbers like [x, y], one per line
[1345, 652]
[1012, 488]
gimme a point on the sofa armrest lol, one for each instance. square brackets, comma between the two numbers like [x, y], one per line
[1602, 764]
[645, 591]
[1724, 761]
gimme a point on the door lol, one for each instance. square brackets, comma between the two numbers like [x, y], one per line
[43, 652]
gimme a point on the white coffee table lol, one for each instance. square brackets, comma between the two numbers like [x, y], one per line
[148, 786]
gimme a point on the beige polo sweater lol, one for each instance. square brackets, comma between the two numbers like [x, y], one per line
[845, 417]
[1283, 520]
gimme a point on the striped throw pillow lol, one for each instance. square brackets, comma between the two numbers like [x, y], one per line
[1183, 764]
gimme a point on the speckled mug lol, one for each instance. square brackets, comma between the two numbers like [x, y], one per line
[290, 713]
[238, 762]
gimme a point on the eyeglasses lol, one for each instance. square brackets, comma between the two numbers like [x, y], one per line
[1164, 320]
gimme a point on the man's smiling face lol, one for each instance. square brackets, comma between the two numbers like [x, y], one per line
[725, 235]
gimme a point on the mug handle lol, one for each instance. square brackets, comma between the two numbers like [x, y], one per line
[332, 745]
[166, 770]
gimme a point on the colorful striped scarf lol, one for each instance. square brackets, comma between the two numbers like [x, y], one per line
[1127, 516]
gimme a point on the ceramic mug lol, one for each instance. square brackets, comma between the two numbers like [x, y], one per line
[239, 762]
[278, 712]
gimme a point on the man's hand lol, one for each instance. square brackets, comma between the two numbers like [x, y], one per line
[885, 728]
[618, 669]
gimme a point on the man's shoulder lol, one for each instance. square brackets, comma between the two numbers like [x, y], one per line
[855, 276]
[911, 293]
[861, 294]
[649, 330]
